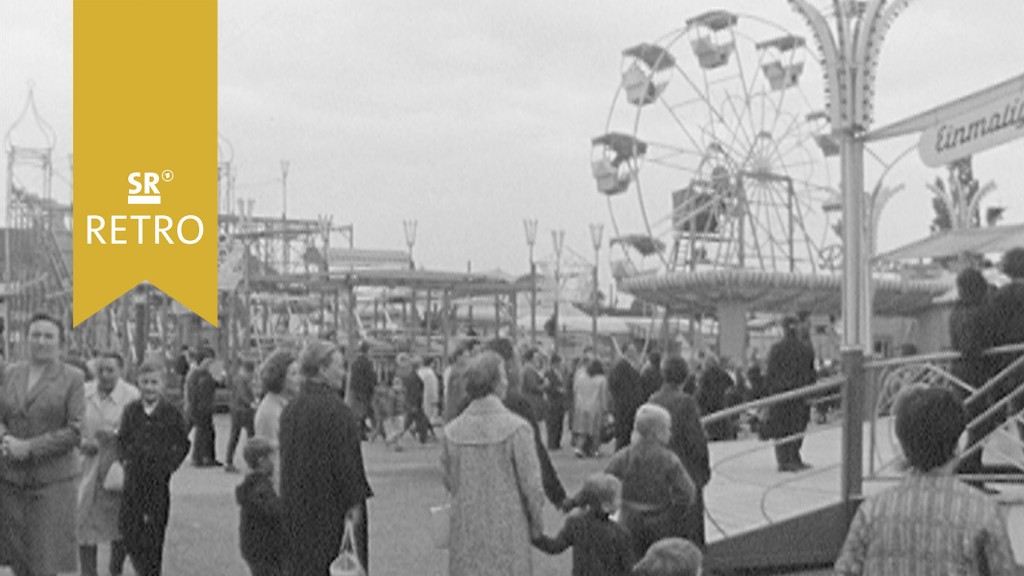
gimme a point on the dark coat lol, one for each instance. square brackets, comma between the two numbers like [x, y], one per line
[322, 477]
[690, 444]
[364, 379]
[657, 493]
[533, 389]
[627, 395]
[790, 367]
[413, 385]
[202, 389]
[970, 333]
[1006, 318]
[260, 536]
[600, 547]
[553, 488]
[557, 392]
[152, 447]
[714, 383]
[650, 380]
[688, 440]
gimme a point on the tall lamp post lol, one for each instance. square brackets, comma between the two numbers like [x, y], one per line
[530, 227]
[558, 239]
[850, 55]
[285, 246]
[409, 227]
[596, 231]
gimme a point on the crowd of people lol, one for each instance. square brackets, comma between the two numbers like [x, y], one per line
[86, 457]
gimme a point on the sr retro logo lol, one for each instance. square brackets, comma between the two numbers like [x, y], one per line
[144, 229]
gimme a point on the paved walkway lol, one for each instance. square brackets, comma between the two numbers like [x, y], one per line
[202, 537]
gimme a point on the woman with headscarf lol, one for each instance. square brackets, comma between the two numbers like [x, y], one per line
[491, 471]
[42, 405]
[656, 490]
[323, 481]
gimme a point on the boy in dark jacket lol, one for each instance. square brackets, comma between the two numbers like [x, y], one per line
[600, 547]
[153, 441]
[260, 535]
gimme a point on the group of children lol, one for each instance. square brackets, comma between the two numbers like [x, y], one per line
[603, 547]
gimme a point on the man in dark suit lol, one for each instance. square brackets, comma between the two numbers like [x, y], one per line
[626, 393]
[363, 381]
[1006, 320]
[790, 367]
[688, 440]
[202, 389]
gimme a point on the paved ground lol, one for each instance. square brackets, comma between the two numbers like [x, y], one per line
[202, 537]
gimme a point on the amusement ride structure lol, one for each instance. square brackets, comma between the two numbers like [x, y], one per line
[718, 165]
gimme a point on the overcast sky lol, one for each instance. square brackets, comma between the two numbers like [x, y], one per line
[471, 115]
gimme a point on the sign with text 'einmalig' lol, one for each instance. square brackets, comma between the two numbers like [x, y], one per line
[985, 126]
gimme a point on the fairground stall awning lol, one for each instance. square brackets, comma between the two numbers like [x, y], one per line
[955, 242]
[702, 291]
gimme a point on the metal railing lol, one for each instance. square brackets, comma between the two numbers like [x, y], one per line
[882, 381]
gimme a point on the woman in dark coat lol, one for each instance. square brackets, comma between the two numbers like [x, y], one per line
[323, 482]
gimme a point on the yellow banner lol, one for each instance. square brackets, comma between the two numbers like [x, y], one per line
[145, 144]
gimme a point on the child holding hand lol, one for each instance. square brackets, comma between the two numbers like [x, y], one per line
[600, 546]
[260, 534]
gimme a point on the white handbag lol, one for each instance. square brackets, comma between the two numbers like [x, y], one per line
[347, 563]
[441, 525]
[113, 480]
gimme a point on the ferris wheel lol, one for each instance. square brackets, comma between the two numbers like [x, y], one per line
[713, 154]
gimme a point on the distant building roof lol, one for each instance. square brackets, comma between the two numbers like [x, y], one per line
[344, 258]
[954, 242]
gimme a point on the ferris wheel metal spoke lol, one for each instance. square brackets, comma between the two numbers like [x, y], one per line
[682, 126]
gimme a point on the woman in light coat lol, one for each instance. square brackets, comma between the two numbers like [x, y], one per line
[492, 473]
[590, 403]
[99, 508]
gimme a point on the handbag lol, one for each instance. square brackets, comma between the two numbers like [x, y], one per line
[441, 525]
[347, 563]
[113, 480]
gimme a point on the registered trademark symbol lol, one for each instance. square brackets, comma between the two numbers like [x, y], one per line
[167, 175]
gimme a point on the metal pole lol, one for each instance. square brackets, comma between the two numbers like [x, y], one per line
[469, 270]
[285, 248]
[530, 226]
[7, 256]
[593, 307]
[558, 239]
[596, 230]
[854, 267]
[851, 485]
